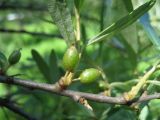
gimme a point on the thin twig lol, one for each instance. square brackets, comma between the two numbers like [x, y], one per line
[30, 7]
[4, 30]
[70, 93]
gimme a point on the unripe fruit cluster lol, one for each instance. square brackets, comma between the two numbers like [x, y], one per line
[70, 61]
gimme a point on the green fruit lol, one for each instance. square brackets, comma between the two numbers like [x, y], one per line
[3, 61]
[70, 58]
[14, 57]
[89, 75]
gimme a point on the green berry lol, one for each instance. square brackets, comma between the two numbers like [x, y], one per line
[14, 57]
[89, 75]
[70, 58]
[3, 61]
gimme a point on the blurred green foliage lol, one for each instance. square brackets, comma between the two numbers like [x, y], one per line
[123, 57]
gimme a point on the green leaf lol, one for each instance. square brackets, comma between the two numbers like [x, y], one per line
[4, 65]
[53, 66]
[2, 56]
[84, 34]
[115, 11]
[62, 18]
[144, 113]
[150, 31]
[102, 14]
[128, 5]
[42, 65]
[122, 23]
[122, 114]
[78, 4]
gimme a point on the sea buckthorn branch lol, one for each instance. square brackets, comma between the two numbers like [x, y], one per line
[7, 103]
[53, 89]
[73, 94]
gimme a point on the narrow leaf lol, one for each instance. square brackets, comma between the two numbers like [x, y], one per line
[62, 18]
[151, 33]
[123, 22]
[115, 11]
[102, 14]
[3, 62]
[3, 59]
[42, 65]
[53, 67]
[84, 34]
[78, 4]
[128, 5]
[144, 113]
